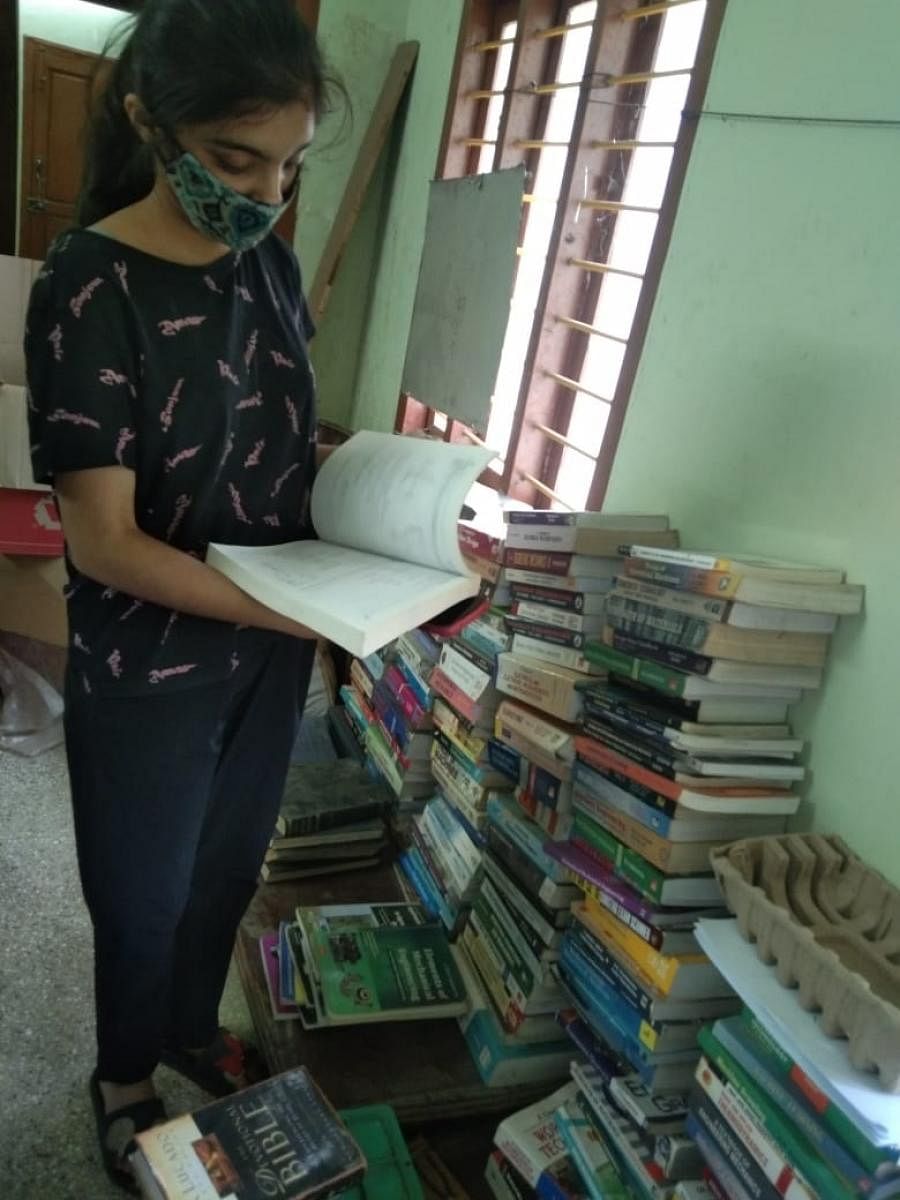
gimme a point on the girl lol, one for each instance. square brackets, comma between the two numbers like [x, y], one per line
[171, 405]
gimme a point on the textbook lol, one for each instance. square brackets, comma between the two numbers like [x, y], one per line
[387, 555]
[325, 796]
[277, 1138]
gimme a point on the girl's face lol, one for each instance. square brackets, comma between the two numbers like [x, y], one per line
[259, 155]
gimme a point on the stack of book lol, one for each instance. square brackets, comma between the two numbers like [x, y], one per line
[777, 1109]
[388, 702]
[442, 862]
[332, 819]
[344, 964]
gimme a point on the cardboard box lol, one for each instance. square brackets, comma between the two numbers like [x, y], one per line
[31, 598]
[16, 277]
[29, 523]
[15, 454]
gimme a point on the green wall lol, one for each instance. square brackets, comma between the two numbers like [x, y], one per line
[361, 344]
[765, 416]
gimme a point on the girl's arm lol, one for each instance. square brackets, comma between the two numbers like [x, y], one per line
[104, 543]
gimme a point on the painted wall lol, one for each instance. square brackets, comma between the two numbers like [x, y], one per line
[73, 23]
[765, 416]
[361, 346]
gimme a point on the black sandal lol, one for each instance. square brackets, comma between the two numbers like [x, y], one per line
[116, 1132]
[225, 1067]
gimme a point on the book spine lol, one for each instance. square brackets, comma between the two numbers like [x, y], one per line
[710, 608]
[544, 931]
[444, 686]
[503, 1181]
[539, 615]
[420, 685]
[594, 840]
[757, 1106]
[361, 678]
[543, 562]
[628, 1145]
[392, 715]
[775, 1167]
[470, 677]
[549, 789]
[551, 651]
[647, 933]
[683, 577]
[504, 758]
[758, 1068]
[655, 757]
[404, 696]
[480, 544]
[555, 635]
[509, 1014]
[584, 1040]
[595, 754]
[589, 775]
[524, 948]
[640, 670]
[666, 856]
[449, 773]
[541, 516]
[473, 820]
[587, 1151]
[732, 1148]
[523, 869]
[530, 840]
[549, 737]
[473, 746]
[595, 791]
[659, 969]
[426, 894]
[548, 597]
[657, 623]
[720, 1168]
[625, 1016]
[667, 656]
[502, 959]
[604, 707]
[608, 968]
[445, 870]
[806, 1092]
[455, 835]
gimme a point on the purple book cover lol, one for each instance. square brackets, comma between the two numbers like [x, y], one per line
[268, 949]
[606, 881]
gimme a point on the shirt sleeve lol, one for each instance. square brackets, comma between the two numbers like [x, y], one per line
[83, 377]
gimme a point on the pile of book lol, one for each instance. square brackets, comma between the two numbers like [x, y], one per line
[388, 703]
[332, 818]
[442, 862]
[777, 1109]
[344, 964]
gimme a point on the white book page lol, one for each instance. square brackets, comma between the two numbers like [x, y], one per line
[399, 497]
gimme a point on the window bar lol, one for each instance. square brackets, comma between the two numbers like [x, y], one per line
[574, 386]
[583, 327]
[485, 93]
[651, 10]
[615, 206]
[482, 47]
[598, 268]
[466, 432]
[560, 30]
[538, 144]
[544, 490]
[472, 141]
[607, 81]
[561, 440]
[630, 145]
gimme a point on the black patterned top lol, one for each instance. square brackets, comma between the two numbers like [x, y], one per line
[198, 380]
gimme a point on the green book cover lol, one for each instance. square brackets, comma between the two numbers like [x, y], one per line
[387, 973]
[642, 670]
[632, 867]
[792, 1144]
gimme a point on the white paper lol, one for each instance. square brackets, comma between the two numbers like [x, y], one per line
[857, 1093]
[397, 496]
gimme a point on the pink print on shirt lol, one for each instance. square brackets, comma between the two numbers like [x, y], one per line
[238, 506]
[251, 347]
[63, 414]
[114, 662]
[168, 672]
[182, 504]
[252, 459]
[235, 662]
[125, 436]
[229, 446]
[55, 338]
[78, 643]
[243, 292]
[292, 413]
[281, 360]
[171, 328]
[173, 617]
[77, 303]
[281, 480]
[130, 612]
[182, 456]
[165, 417]
[121, 269]
[254, 401]
[212, 285]
[227, 373]
[272, 519]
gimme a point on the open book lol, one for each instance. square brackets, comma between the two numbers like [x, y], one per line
[385, 510]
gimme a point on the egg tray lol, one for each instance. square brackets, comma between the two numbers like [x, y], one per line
[830, 924]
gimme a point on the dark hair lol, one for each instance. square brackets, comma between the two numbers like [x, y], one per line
[191, 61]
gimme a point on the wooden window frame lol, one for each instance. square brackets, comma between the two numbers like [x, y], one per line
[621, 45]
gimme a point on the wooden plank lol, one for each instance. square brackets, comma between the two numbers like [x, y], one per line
[423, 1069]
[354, 193]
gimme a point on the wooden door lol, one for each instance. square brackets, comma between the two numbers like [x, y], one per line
[309, 11]
[56, 93]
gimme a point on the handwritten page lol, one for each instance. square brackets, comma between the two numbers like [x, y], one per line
[397, 496]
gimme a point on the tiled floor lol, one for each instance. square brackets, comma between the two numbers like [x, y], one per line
[47, 1141]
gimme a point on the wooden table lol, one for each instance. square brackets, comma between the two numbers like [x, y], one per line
[423, 1069]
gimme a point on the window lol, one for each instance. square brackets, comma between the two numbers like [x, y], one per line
[591, 98]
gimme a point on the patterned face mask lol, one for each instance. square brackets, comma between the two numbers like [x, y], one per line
[218, 210]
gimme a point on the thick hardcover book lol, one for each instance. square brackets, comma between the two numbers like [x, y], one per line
[320, 796]
[361, 583]
[711, 637]
[278, 1138]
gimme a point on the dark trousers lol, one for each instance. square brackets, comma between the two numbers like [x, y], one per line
[175, 799]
